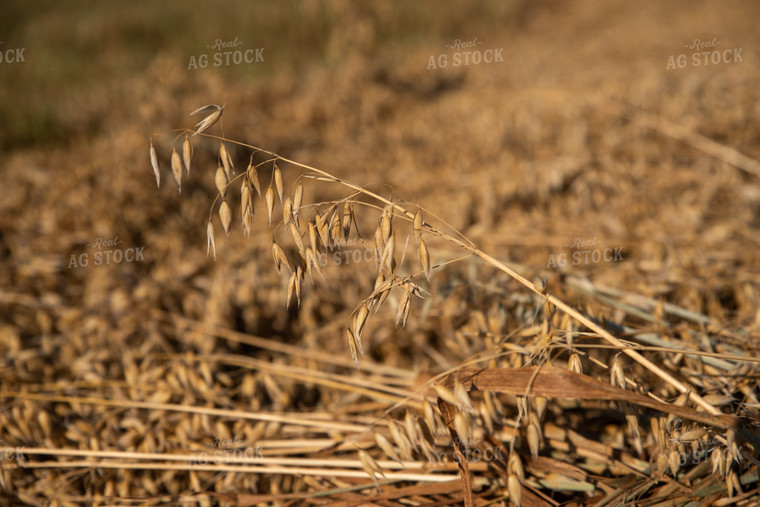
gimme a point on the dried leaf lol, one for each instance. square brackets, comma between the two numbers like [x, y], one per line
[555, 382]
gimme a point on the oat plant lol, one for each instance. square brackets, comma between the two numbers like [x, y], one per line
[402, 255]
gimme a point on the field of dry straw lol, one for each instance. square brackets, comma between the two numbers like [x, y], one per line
[351, 277]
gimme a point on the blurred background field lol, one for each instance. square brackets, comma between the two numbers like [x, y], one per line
[581, 132]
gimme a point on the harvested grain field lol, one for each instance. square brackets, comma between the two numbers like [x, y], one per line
[502, 253]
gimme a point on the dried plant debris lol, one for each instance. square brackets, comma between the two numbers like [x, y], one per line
[388, 332]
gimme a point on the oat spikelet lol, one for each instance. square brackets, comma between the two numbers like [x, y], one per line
[247, 221]
[386, 223]
[221, 181]
[404, 306]
[246, 202]
[424, 256]
[540, 406]
[387, 447]
[291, 289]
[224, 154]
[381, 295]
[210, 242]
[418, 225]
[352, 345]
[446, 395]
[429, 415]
[208, 121]
[539, 284]
[516, 467]
[154, 163]
[574, 364]
[412, 429]
[371, 467]
[716, 458]
[674, 462]
[389, 252]
[279, 257]
[514, 489]
[534, 441]
[177, 168]
[294, 287]
[359, 320]
[278, 180]
[287, 211]
[463, 399]
[313, 239]
[299, 277]
[226, 216]
[379, 244]
[694, 434]
[297, 238]
[253, 176]
[617, 377]
[297, 199]
[270, 203]
[322, 229]
[187, 153]
[335, 230]
[400, 440]
[463, 427]
[348, 214]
